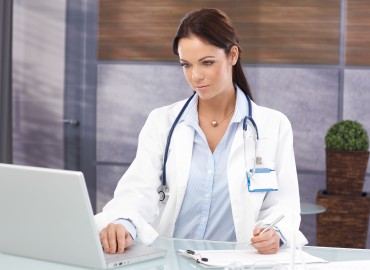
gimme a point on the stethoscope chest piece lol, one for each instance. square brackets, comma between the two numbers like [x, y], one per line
[163, 193]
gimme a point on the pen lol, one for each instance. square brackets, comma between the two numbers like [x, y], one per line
[269, 227]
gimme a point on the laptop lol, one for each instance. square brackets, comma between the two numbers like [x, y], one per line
[46, 214]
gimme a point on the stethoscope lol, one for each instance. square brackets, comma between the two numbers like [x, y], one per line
[163, 190]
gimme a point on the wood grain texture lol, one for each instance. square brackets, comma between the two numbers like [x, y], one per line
[358, 33]
[270, 31]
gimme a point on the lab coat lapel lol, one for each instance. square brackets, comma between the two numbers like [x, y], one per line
[181, 153]
[185, 142]
[257, 117]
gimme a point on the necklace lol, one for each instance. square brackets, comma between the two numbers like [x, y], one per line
[215, 123]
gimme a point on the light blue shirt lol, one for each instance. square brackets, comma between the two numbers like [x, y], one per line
[207, 202]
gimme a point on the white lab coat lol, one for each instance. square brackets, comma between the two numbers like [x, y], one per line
[136, 196]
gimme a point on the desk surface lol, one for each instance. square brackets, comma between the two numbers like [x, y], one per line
[174, 261]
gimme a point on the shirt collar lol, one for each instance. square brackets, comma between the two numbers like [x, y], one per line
[190, 116]
[241, 106]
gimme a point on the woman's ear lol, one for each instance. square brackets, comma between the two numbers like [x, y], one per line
[234, 55]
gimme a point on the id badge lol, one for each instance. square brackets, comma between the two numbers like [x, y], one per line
[263, 180]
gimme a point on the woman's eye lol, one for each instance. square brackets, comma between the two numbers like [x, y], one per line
[185, 65]
[208, 63]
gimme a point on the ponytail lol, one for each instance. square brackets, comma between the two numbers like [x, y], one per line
[240, 80]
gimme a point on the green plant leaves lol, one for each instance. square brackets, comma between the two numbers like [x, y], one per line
[347, 135]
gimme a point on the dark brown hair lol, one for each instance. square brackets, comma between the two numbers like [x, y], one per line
[214, 27]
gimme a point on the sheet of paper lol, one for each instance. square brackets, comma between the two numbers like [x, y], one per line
[221, 258]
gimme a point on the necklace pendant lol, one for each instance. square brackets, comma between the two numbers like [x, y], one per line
[214, 123]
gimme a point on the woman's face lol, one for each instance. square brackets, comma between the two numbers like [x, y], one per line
[207, 68]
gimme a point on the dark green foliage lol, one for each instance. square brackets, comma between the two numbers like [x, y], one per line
[347, 135]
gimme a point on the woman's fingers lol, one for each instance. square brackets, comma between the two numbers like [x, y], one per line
[115, 238]
[266, 243]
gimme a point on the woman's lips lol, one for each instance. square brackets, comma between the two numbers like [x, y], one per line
[200, 87]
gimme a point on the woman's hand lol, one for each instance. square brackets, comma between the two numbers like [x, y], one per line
[115, 238]
[266, 243]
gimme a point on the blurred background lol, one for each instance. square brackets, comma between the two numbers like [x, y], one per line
[84, 75]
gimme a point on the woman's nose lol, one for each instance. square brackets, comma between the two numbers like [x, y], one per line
[197, 74]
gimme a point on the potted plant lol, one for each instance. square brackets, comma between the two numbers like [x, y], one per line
[345, 221]
[347, 155]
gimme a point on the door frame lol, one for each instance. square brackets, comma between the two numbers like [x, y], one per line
[80, 91]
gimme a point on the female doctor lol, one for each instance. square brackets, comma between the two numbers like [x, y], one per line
[216, 166]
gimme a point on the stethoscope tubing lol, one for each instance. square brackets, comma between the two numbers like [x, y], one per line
[164, 179]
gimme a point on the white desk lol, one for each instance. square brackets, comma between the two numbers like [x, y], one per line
[174, 261]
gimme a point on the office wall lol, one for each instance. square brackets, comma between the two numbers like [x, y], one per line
[295, 60]
[264, 29]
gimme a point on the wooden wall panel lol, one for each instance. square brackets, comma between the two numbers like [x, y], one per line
[358, 33]
[270, 31]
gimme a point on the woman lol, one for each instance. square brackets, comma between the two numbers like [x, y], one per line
[210, 195]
